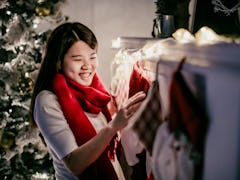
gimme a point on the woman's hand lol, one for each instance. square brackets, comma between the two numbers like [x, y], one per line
[78, 160]
[127, 110]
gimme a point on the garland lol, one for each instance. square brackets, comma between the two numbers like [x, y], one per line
[219, 6]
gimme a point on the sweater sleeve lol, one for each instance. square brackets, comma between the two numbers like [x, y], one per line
[53, 125]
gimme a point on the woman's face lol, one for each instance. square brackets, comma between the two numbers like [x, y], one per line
[80, 63]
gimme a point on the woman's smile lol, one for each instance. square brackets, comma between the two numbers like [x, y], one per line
[85, 75]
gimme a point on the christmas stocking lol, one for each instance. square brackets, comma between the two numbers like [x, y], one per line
[148, 117]
[186, 114]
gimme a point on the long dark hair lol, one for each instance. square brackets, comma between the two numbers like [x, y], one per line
[59, 42]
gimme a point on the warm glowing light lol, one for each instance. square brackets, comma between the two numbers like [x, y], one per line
[116, 43]
[206, 35]
[182, 35]
[21, 48]
[152, 50]
[39, 176]
[35, 26]
[8, 12]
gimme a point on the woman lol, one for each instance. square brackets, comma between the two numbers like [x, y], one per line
[69, 106]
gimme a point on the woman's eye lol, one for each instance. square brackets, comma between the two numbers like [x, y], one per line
[77, 59]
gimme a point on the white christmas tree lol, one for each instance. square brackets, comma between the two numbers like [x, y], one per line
[24, 28]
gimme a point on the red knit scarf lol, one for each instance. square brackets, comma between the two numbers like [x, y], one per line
[74, 100]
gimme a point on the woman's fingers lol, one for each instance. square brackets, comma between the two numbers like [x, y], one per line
[132, 109]
[138, 97]
[134, 103]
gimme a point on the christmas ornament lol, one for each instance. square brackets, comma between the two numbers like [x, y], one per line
[7, 139]
[43, 8]
[25, 84]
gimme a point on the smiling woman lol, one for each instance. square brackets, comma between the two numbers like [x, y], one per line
[70, 107]
[80, 63]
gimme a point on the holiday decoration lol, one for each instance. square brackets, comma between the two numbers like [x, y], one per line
[7, 139]
[222, 16]
[25, 84]
[43, 8]
[219, 6]
[23, 154]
